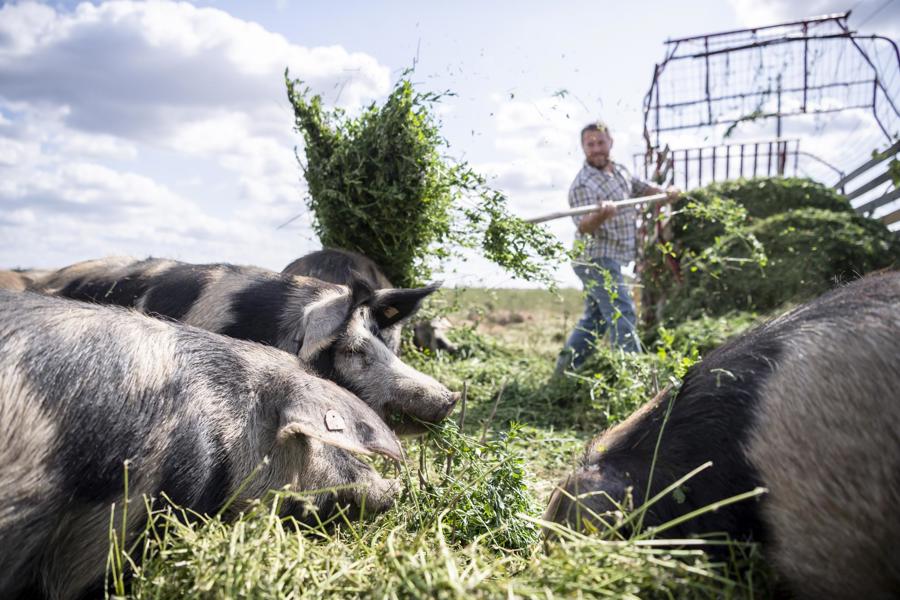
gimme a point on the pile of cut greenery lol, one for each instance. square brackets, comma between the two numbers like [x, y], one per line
[467, 521]
[808, 236]
[380, 183]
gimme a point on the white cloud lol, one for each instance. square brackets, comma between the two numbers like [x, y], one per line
[530, 175]
[886, 21]
[13, 152]
[82, 210]
[75, 143]
[156, 128]
[538, 139]
[143, 69]
[754, 13]
[539, 115]
[541, 138]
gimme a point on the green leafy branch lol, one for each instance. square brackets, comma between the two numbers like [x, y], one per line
[381, 184]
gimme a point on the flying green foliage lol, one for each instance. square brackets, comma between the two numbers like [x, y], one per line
[380, 183]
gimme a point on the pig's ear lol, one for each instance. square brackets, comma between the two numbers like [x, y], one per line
[360, 291]
[392, 305]
[321, 321]
[336, 417]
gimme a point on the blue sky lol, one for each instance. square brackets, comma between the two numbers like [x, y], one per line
[163, 128]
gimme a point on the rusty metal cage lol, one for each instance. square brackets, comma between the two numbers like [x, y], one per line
[766, 97]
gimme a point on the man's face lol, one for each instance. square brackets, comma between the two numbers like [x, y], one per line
[596, 146]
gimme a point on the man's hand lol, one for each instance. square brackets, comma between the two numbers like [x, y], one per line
[672, 194]
[606, 210]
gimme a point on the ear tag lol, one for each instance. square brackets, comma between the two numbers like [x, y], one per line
[390, 312]
[334, 421]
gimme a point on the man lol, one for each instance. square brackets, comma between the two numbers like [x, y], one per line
[609, 242]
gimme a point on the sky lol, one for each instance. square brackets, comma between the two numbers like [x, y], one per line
[163, 128]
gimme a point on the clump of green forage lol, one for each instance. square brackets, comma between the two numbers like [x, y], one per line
[766, 243]
[381, 184]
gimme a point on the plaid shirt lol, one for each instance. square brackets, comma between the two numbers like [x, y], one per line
[615, 238]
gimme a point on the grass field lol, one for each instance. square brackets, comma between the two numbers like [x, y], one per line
[467, 521]
[466, 524]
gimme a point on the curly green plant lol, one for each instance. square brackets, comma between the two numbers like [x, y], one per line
[783, 240]
[380, 183]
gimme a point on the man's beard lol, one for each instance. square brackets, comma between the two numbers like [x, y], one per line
[600, 162]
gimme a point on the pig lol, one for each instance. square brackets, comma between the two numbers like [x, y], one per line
[344, 268]
[432, 335]
[332, 328]
[339, 266]
[806, 406]
[198, 416]
[21, 279]
[13, 280]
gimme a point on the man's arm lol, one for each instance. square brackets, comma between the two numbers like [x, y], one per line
[673, 192]
[640, 187]
[582, 195]
[606, 210]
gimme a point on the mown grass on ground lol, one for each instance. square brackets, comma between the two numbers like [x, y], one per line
[467, 522]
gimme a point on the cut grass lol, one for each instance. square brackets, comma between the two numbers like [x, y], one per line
[467, 523]
[263, 556]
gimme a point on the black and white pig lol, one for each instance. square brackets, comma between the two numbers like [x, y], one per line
[84, 388]
[21, 279]
[347, 268]
[806, 406]
[332, 328]
[339, 266]
[13, 280]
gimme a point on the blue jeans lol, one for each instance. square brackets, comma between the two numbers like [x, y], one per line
[601, 310]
